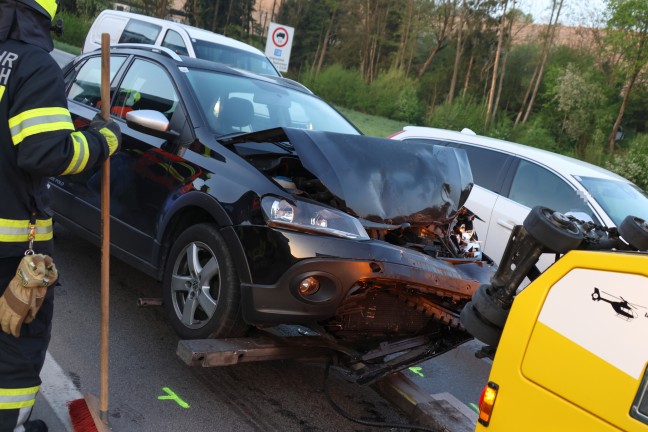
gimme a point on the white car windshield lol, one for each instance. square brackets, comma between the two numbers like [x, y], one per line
[618, 198]
[235, 104]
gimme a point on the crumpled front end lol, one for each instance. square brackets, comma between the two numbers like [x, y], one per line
[366, 243]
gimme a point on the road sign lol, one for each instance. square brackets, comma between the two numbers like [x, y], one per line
[278, 45]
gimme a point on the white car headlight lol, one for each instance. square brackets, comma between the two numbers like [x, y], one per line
[304, 216]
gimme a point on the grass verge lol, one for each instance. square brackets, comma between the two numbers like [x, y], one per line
[372, 125]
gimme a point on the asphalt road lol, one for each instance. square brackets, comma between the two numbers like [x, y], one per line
[268, 396]
[151, 389]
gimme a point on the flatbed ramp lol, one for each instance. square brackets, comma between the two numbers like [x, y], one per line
[436, 412]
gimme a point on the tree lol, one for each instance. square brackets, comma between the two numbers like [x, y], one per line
[500, 42]
[156, 8]
[579, 98]
[538, 74]
[441, 18]
[628, 35]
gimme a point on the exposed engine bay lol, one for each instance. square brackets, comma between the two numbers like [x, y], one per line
[409, 197]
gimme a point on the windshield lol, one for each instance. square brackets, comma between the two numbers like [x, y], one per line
[234, 57]
[618, 198]
[233, 104]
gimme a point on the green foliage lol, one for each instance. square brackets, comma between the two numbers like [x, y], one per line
[394, 95]
[633, 162]
[535, 134]
[340, 86]
[578, 98]
[75, 29]
[90, 8]
[459, 114]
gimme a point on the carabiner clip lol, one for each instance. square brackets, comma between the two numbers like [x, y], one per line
[31, 236]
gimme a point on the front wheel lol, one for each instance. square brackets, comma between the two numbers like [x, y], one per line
[202, 293]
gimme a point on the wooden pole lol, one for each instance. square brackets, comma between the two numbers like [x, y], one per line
[105, 233]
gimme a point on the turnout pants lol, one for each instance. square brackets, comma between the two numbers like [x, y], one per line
[22, 358]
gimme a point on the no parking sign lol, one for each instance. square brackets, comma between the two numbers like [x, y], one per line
[278, 45]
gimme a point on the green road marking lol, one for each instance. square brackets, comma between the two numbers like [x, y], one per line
[417, 370]
[172, 396]
[475, 407]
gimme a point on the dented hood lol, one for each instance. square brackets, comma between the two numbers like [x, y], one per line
[387, 181]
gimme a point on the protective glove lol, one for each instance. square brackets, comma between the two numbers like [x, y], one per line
[110, 130]
[24, 295]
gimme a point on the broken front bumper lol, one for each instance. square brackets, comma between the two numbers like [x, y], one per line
[280, 260]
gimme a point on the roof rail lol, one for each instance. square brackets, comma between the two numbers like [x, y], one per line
[153, 48]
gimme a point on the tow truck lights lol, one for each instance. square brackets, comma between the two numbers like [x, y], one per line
[486, 402]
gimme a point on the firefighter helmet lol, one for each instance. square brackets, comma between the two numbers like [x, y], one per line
[45, 7]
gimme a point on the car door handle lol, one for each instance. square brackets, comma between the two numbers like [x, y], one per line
[506, 224]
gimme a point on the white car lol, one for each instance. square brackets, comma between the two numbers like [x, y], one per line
[511, 178]
[127, 27]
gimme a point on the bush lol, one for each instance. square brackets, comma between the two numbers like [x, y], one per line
[535, 134]
[458, 115]
[75, 29]
[395, 96]
[339, 86]
[633, 162]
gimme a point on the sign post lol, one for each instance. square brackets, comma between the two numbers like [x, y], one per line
[278, 45]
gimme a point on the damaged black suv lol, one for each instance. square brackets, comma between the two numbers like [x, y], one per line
[258, 204]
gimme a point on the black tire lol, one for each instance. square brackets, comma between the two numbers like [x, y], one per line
[553, 230]
[487, 308]
[200, 275]
[634, 230]
[485, 332]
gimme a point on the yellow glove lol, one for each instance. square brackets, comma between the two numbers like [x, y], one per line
[110, 130]
[25, 293]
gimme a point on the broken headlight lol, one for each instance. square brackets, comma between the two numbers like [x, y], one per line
[305, 216]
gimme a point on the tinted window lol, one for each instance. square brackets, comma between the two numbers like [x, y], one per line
[488, 166]
[534, 185]
[145, 86]
[173, 41]
[140, 32]
[86, 86]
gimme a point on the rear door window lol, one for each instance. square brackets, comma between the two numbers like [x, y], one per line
[140, 32]
[534, 185]
[488, 167]
[174, 41]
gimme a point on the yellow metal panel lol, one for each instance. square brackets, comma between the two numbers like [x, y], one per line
[556, 367]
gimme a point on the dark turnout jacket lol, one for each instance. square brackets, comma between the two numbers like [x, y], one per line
[37, 140]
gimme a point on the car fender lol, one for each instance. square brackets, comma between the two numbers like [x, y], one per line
[221, 218]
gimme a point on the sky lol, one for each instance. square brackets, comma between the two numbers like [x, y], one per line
[574, 12]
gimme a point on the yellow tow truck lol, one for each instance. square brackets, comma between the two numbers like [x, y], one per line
[573, 355]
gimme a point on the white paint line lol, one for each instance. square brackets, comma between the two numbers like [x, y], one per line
[58, 390]
[456, 403]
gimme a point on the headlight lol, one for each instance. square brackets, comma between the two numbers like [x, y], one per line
[304, 216]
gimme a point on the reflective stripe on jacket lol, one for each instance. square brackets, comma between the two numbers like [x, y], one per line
[17, 398]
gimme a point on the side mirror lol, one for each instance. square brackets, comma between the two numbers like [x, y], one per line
[150, 122]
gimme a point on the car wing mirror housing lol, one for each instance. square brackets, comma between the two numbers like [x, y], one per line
[150, 122]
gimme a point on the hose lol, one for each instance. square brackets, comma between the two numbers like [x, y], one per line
[378, 424]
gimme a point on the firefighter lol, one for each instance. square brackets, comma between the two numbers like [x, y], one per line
[37, 140]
